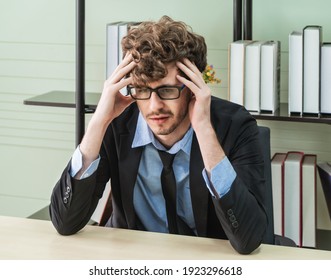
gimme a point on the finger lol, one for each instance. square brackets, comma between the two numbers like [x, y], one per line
[191, 65]
[127, 58]
[191, 71]
[121, 84]
[121, 71]
[198, 91]
[124, 82]
[126, 61]
[191, 85]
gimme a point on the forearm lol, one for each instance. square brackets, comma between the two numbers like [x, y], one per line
[211, 150]
[91, 143]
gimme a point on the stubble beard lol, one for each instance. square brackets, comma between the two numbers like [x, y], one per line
[178, 120]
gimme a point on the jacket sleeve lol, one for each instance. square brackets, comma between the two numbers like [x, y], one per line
[74, 201]
[241, 210]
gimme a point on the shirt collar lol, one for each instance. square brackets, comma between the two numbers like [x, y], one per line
[144, 136]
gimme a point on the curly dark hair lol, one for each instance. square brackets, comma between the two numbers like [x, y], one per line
[153, 45]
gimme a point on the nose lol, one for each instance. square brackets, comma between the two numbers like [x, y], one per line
[155, 102]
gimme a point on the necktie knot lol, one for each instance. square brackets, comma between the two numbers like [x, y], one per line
[167, 159]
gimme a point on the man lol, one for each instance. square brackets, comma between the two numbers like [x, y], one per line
[218, 164]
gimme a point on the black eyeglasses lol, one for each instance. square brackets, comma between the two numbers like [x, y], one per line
[163, 92]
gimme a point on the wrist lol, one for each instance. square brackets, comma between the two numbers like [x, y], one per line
[92, 140]
[99, 122]
[204, 128]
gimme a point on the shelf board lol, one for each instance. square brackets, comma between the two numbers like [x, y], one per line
[282, 115]
[64, 99]
[67, 99]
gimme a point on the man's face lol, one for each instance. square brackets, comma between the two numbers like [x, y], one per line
[168, 119]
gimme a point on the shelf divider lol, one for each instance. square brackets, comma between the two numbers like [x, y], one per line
[80, 70]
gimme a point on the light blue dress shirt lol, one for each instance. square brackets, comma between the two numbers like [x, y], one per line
[148, 198]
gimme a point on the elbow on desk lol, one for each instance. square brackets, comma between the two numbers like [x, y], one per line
[247, 246]
[245, 250]
[63, 227]
[247, 243]
[65, 230]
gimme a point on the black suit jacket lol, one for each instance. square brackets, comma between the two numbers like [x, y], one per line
[238, 216]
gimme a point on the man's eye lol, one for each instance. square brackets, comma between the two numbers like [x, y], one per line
[142, 90]
[167, 90]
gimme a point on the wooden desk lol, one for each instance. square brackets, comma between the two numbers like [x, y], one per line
[22, 238]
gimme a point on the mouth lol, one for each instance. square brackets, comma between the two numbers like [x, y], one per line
[159, 119]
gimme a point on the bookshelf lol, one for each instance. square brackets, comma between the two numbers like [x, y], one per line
[282, 115]
[242, 30]
[242, 17]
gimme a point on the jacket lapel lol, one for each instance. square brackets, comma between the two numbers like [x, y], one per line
[128, 169]
[199, 191]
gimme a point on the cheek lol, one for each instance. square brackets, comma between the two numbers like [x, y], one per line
[185, 100]
[181, 108]
[141, 105]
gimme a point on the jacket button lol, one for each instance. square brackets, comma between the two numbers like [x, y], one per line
[235, 224]
[232, 218]
[230, 212]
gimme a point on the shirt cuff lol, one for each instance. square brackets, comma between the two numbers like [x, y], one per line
[221, 179]
[77, 164]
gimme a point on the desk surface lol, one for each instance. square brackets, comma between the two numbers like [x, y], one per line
[22, 238]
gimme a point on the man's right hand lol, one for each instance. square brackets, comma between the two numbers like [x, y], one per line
[111, 104]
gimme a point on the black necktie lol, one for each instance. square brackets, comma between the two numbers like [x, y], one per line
[168, 183]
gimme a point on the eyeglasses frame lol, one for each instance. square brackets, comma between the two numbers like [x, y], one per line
[156, 90]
